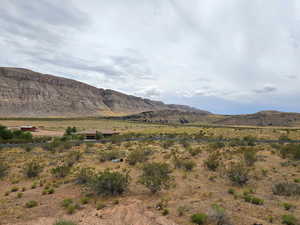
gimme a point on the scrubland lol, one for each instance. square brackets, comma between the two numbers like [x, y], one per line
[152, 182]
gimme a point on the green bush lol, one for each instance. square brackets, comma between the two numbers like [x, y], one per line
[212, 162]
[109, 183]
[64, 222]
[31, 204]
[253, 200]
[156, 176]
[32, 169]
[3, 169]
[238, 173]
[199, 218]
[66, 202]
[16, 136]
[287, 206]
[289, 220]
[84, 200]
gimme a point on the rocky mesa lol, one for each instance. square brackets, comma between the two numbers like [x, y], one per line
[25, 93]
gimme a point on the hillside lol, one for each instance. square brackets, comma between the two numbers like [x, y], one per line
[170, 116]
[26, 93]
[263, 118]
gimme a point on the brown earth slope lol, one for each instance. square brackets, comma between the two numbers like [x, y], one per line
[29, 94]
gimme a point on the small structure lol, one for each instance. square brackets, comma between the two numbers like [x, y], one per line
[28, 128]
[94, 134]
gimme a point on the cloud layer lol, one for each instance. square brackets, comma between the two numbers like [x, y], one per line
[229, 56]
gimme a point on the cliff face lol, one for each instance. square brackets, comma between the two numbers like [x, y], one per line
[27, 93]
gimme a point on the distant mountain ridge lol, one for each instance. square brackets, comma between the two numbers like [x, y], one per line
[25, 93]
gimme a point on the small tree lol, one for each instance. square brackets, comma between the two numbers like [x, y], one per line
[156, 176]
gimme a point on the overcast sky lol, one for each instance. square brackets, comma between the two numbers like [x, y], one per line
[233, 56]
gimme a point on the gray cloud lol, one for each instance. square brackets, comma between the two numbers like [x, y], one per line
[266, 89]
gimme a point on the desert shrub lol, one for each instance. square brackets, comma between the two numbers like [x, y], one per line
[236, 142]
[181, 210]
[108, 183]
[249, 140]
[199, 218]
[64, 222]
[217, 145]
[287, 206]
[212, 162]
[72, 208]
[100, 205]
[286, 189]
[53, 145]
[165, 212]
[32, 169]
[238, 173]
[83, 175]
[31, 204]
[156, 176]
[61, 171]
[185, 164]
[66, 202]
[195, 151]
[253, 200]
[289, 220]
[27, 148]
[231, 191]
[84, 200]
[250, 157]
[291, 151]
[284, 137]
[110, 155]
[73, 157]
[137, 156]
[3, 169]
[218, 215]
[185, 143]
[167, 144]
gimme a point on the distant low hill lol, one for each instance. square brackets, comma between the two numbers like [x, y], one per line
[25, 93]
[263, 118]
[170, 116]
